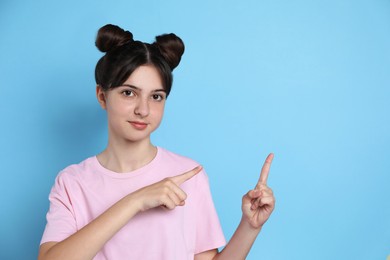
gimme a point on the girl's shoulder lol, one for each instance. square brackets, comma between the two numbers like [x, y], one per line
[167, 156]
[76, 170]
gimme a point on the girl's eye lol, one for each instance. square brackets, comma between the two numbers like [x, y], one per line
[128, 93]
[157, 97]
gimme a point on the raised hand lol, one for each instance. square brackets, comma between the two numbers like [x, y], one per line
[258, 204]
[166, 193]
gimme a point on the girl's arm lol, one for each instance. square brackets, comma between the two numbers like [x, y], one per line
[88, 241]
[257, 206]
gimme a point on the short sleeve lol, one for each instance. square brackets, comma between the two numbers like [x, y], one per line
[60, 218]
[209, 234]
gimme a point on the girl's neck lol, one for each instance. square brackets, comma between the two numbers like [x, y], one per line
[127, 157]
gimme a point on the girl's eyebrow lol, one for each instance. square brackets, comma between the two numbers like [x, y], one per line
[159, 90]
[136, 88]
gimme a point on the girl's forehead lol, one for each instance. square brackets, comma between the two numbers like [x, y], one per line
[145, 78]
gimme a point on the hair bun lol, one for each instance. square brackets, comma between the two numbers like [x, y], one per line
[171, 47]
[111, 36]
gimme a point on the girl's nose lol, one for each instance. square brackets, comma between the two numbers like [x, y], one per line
[142, 108]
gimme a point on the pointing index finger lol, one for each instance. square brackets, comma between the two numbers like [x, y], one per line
[265, 170]
[181, 178]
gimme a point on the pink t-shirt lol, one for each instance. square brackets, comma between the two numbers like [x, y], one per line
[82, 192]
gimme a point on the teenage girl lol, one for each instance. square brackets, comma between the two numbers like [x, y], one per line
[135, 200]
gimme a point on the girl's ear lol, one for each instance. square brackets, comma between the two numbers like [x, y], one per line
[101, 96]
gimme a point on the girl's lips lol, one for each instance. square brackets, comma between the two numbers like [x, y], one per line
[138, 125]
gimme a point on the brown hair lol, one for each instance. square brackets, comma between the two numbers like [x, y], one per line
[123, 56]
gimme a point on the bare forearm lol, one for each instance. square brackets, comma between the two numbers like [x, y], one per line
[257, 206]
[88, 241]
[240, 243]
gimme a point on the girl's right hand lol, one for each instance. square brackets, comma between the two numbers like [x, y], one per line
[166, 193]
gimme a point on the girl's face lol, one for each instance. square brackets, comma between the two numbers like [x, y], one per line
[136, 108]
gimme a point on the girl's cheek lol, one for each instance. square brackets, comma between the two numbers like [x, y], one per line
[158, 107]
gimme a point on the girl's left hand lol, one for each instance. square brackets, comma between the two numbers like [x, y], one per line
[258, 204]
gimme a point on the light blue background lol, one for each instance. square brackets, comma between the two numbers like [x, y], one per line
[307, 80]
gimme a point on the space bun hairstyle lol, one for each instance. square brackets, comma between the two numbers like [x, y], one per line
[123, 55]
